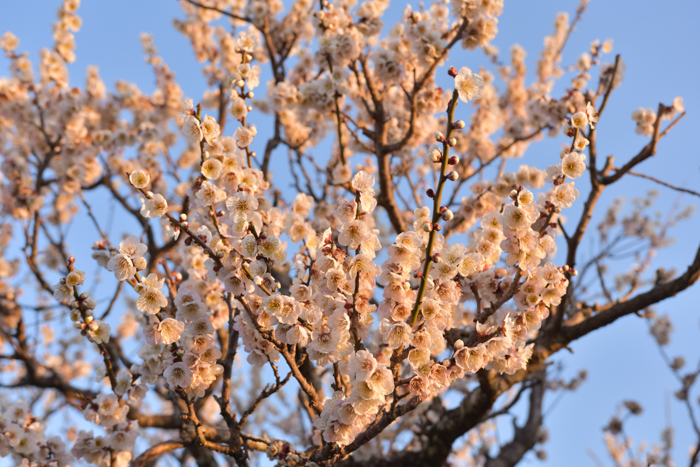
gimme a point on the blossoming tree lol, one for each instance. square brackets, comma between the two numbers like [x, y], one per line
[398, 300]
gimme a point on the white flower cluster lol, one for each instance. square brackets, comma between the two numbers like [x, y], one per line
[23, 436]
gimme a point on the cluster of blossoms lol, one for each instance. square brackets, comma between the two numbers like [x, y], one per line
[212, 264]
[23, 436]
[110, 412]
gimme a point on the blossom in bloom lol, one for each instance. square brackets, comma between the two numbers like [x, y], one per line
[170, 330]
[579, 120]
[244, 136]
[591, 114]
[210, 129]
[242, 206]
[516, 218]
[269, 246]
[362, 181]
[238, 107]
[122, 266]
[468, 85]
[564, 195]
[353, 233]
[212, 168]
[178, 375]
[155, 206]
[208, 194]
[573, 164]
[151, 299]
[191, 130]
[341, 174]
[361, 365]
[139, 179]
[99, 331]
[75, 277]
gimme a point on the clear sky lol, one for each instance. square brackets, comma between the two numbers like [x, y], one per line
[659, 42]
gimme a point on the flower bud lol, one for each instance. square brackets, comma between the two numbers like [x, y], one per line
[453, 160]
[430, 192]
[183, 217]
[452, 176]
[140, 263]
[447, 215]
[459, 343]
[452, 142]
[439, 137]
[83, 296]
[427, 227]
[240, 83]
[452, 71]
[250, 94]
[459, 124]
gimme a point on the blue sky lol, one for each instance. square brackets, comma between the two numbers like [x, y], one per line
[657, 41]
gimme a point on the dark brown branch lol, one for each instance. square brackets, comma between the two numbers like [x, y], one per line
[525, 437]
[151, 455]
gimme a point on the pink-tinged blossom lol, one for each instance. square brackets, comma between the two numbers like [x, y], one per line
[178, 375]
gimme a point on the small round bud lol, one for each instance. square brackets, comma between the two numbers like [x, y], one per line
[447, 215]
[439, 137]
[427, 227]
[459, 125]
[452, 142]
[453, 160]
[436, 258]
[452, 176]
[183, 217]
[250, 94]
[186, 225]
[459, 343]
[140, 263]
[88, 319]
[452, 71]
[438, 228]
[219, 254]
[240, 83]
[430, 192]
[83, 296]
